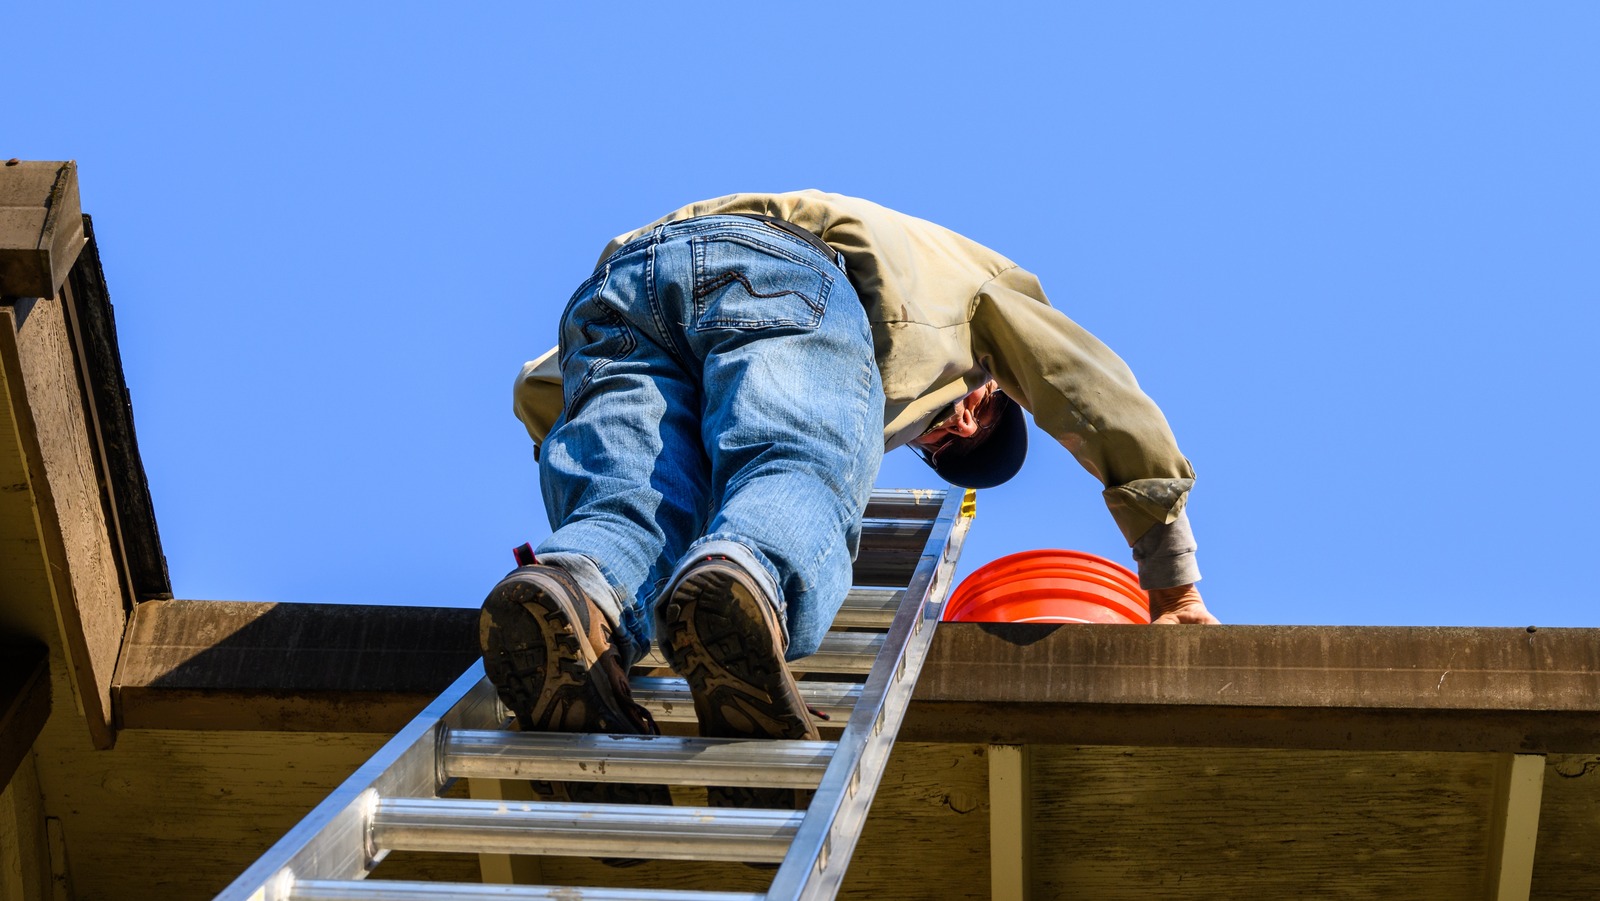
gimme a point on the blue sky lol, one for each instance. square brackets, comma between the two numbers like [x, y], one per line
[1349, 248]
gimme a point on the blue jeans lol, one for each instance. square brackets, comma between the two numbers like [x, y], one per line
[722, 398]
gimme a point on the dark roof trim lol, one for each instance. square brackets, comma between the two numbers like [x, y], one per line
[110, 410]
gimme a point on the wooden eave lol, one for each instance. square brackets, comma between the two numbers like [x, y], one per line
[302, 666]
[1466, 759]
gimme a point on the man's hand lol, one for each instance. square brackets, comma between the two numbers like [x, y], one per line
[1180, 604]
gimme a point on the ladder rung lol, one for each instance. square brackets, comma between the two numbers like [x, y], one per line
[878, 535]
[589, 830]
[907, 503]
[890, 550]
[841, 652]
[669, 701]
[659, 759]
[390, 890]
[869, 608]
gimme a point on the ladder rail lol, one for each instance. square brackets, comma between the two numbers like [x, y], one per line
[338, 842]
[822, 847]
[333, 840]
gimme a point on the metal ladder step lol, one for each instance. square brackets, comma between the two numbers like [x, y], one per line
[659, 759]
[389, 890]
[587, 830]
[669, 701]
[869, 608]
[841, 652]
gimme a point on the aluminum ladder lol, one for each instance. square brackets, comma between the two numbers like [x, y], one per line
[394, 802]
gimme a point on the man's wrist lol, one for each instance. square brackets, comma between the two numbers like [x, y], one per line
[1165, 555]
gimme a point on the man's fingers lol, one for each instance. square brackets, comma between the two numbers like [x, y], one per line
[1197, 615]
[1178, 605]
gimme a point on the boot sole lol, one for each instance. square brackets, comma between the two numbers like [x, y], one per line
[542, 664]
[545, 670]
[721, 639]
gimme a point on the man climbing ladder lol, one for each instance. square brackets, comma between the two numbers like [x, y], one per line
[710, 428]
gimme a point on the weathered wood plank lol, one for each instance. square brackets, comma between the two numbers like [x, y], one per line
[21, 556]
[307, 667]
[1330, 687]
[1008, 684]
[41, 378]
[1393, 667]
[26, 610]
[1199, 824]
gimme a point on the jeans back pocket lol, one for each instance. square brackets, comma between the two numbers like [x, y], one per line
[593, 336]
[744, 283]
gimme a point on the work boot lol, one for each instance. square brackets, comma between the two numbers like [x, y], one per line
[547, 648]
[723, 637]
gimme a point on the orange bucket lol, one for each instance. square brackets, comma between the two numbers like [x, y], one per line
[1049, 586]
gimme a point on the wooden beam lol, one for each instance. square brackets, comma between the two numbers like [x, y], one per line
[1010, 822]
[1514, 827]
[335, 667]
[1312, 687]
[41, 226]
[24, 703]
[67, 410]
[41, 387]
[1388, 667]
[294, 667]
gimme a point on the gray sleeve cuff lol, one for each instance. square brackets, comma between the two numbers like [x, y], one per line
[1165, 555]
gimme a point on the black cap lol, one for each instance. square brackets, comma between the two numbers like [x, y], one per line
[996, 459]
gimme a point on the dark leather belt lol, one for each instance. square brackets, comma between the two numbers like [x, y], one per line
[804, 235]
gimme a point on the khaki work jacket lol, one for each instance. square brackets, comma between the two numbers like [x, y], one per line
[947, 313]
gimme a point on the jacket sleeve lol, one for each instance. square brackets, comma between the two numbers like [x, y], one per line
[536, 398]
[1165, 555]
[1085, 397]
